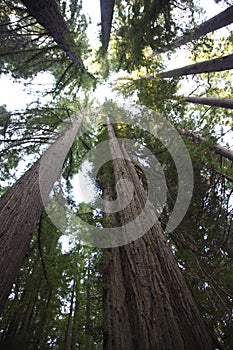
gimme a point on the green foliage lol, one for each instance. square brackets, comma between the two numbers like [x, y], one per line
[28, 49]
[139, 26]
[37, 312]
[26, 134]
[38, 308]
[144, 26]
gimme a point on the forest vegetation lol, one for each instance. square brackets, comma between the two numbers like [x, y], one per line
[62, 286]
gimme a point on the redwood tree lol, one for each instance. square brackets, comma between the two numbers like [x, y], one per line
[22, 204]
[214, 65]
[218, 149]
[70, 317]
[147, 304]
[219, 21]
[211, 101]
[106, 21]
[49, 16]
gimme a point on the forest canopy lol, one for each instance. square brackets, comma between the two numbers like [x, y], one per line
[116, 175]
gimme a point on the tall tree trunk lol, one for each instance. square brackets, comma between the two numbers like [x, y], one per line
[106, 7]
[214, 65]
[88, 308]
[30, 310]
[219, 21]
[69, 324]
[21, 207]
[49, 16]
[20, 305]
[211, 101]
[76, 324]
[222, 151]
[147, 304]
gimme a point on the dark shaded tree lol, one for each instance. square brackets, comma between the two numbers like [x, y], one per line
[214, 65]
[49, 16]
[28, 48]
[219, 21]
[107, 8]
[211, 101]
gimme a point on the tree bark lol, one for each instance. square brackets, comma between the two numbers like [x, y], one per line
[21, 207]
[88, 308]
[147, 304]
[219, 21]
[222, 151]
[214, 65]
[77, 329]
[49, 16]
[106, 8]
[211, 101]
[69, 324]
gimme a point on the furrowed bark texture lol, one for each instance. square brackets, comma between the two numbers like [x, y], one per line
[21, 207]
[221, 20]
[49, 16]
[214, 65]
[147, 304]
[211, 101]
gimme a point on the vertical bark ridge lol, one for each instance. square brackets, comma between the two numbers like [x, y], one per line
[21, 207]
[148, 304]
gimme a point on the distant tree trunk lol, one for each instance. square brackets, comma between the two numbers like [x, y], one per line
[21, 207]
[219, 21]
[30, 310]
[76, 324]
[44, 320]
[214, 65]
[49, 16]
[222, 151]
[211, 101]
[88, 308]
[147, 304]
[69, 324]
[106, 7]
[20, 320]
